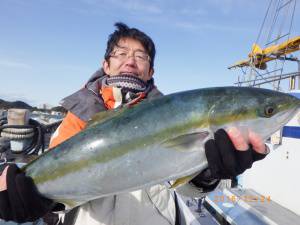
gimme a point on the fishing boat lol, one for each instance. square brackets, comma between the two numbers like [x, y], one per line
[23, 135]
[269, 192]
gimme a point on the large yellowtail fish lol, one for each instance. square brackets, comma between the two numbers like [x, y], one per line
[153, 142]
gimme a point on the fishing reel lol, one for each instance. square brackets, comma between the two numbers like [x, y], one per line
[22, 137]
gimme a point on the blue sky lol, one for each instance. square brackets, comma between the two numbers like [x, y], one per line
[48, 49]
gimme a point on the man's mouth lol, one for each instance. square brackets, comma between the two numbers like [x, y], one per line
[129, 73]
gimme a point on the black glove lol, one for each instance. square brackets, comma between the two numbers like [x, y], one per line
[224, 160]
[21, 202]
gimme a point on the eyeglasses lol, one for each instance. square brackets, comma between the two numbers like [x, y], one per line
[123, 54]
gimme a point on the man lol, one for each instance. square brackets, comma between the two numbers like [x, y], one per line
[126, 78]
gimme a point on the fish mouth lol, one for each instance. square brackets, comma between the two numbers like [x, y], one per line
[291, 106]
[288, 114]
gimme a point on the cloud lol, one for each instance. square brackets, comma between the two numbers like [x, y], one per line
[229, 7]
[203, 27]
[188, 15]
[14, 64]
[223, 6]
[187, 25]
[190, 11]
[140, 6]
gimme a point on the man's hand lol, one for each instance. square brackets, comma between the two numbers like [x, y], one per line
[230, 153]
[3, 185]
[19, 198]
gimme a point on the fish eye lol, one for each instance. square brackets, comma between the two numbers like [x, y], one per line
[269, 110]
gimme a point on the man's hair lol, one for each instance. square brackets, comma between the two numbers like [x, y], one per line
[123, 31]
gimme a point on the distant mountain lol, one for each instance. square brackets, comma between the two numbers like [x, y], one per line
[4, 105]
[16, 104]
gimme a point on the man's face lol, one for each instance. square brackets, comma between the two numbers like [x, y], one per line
[129, 57]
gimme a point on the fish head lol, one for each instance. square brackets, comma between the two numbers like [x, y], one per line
[263, 111]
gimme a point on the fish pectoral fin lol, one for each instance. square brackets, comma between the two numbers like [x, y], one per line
[183, 180]
[187, 142]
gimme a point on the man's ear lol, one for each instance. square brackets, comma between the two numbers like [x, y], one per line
[105, 66]
[151, 72]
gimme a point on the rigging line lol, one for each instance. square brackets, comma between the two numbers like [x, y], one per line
[255, 75]
[260, 75]
[290, 28]
[278, 76]
[270, 33]
[262, 25]
[286, 11]
[273, 26]
[272, 78]
[278, 82]
[292, 19]
[285, 4]
[276, 18]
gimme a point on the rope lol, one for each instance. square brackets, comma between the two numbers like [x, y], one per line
[32, 131]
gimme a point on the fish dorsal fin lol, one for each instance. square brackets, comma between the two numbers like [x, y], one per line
[187, 142]
[104, 116]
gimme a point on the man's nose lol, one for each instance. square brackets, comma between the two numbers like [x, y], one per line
[130, 60]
